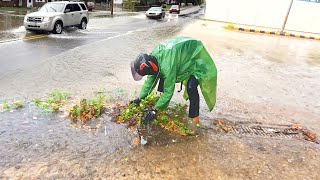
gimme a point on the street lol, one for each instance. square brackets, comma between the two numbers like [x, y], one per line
[35, 47]
[266, 80]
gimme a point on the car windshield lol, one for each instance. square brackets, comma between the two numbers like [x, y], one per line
[174, 7]
[155, 9]
[52, 7]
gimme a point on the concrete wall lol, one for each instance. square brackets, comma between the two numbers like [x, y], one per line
[304, 16]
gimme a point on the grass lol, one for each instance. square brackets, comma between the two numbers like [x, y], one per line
[55, 100]
[230, 26]
[8, 106]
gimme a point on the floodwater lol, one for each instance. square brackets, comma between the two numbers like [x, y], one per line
[11, 26]
[261, 79]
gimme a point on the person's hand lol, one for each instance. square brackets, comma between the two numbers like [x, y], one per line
[149, 116]
[136, 101]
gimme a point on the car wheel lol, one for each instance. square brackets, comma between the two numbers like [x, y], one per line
[83, 24]
[57, 29]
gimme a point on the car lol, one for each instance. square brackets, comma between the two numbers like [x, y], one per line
[175, 8]
[91, 6]
[53, 16]
[156, 12]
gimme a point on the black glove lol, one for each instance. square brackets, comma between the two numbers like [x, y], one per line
[149, 116]
[136, 101]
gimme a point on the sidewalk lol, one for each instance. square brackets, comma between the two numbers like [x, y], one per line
[271, 31]
[270, 75]
[189, 10]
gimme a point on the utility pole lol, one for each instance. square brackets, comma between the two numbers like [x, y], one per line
[285, 20]
[112, 7]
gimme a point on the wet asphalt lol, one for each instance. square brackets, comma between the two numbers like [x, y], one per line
[22, 49]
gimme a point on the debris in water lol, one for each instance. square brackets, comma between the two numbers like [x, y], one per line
[307, 134]
[225, 125]
[136, 141]
[143, 141]
[118, 91]
[296, 126]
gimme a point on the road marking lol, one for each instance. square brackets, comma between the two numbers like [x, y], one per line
[25, 38]
[34, 37]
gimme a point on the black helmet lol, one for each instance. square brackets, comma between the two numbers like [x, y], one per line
[144, 64]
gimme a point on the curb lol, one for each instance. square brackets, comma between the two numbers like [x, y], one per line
[278, 33]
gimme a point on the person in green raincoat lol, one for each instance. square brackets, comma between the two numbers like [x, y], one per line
[178, 60]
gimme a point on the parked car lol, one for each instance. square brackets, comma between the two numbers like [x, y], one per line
[175, 8]
[156, 12]
[53, 16]
[91, 6]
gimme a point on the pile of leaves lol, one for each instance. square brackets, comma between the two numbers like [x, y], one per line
[307, 134]
[173, 119]
[87, 109]
[53, 103]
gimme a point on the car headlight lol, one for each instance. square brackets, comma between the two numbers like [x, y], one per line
[25, 18]
[47, 19]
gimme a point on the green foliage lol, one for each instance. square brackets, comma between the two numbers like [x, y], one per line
[8, 106]
[129, 5]
[230, 26]
[173, 119]
[18, 104]
[135, 112]
[88, 109]
[56, 100]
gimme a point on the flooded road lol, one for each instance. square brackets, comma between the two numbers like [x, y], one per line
[33, 48]
[11, 26]
[261, 79]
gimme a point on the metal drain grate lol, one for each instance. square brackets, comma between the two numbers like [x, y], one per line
[273, 132]
[256, 129]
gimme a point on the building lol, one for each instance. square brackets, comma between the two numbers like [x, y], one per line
[117, 2]
[23, 3]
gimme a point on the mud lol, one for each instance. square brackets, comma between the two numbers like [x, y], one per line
[261, 79]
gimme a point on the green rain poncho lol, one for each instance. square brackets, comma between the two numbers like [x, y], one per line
[178, 59]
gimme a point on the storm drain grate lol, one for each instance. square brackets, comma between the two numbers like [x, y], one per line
[255, 129]
[274, 132]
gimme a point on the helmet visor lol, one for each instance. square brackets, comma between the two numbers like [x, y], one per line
[135, 75]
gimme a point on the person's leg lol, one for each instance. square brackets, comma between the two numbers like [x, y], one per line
[192, 90]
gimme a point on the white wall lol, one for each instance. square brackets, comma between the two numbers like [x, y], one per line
[117, 1]
[304, 16]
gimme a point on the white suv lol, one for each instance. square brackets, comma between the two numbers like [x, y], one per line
[53, 16]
